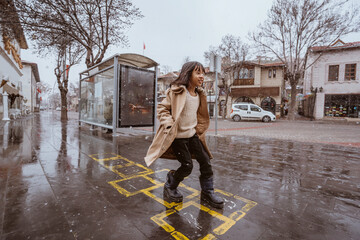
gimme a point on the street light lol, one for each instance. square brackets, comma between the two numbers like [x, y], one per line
[215, 66]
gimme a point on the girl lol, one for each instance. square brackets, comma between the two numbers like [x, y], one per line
[184, 119]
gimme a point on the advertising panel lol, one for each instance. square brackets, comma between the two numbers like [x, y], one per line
[137, 97]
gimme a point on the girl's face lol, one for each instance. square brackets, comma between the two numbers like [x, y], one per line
[197, 77]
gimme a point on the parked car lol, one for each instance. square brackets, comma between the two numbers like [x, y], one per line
[249, 111]
[58, 109]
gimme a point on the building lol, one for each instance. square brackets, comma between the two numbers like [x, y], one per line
[12, 41]
[260, 83]
[333, 81]
[163, 83]
[209, 87]
[29, 79]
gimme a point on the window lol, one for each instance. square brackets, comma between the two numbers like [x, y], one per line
[255, 109]
[242, 107]
[270, 73]
[342, 105]
[251, 73]
[350, 72]
[236, 75]
[244, 73]
[274, 73]
[333, 73]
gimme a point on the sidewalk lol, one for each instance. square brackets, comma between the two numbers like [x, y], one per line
[334, 120]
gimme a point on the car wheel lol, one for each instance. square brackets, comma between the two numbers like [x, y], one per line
[236, 118]
[266, 119]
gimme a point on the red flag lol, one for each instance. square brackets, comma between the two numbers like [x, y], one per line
[144, 46]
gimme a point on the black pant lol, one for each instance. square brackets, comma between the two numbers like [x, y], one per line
[183, 148]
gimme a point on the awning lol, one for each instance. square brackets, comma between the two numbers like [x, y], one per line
[9, 89]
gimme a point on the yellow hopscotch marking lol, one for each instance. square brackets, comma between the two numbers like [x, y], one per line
[209, 237]
[172, 207]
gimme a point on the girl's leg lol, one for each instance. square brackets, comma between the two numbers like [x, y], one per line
[181, 150]
[206, 177]
[202, 157]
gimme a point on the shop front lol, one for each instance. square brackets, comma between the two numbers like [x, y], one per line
[119, 92]
[337, 105]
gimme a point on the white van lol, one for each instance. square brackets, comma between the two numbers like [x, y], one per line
[249, 111]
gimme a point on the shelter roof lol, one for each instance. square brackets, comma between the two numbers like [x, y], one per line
[129, 59]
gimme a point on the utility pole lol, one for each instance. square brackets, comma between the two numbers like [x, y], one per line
[215, 66]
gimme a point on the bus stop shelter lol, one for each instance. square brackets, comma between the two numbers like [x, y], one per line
[119, 92]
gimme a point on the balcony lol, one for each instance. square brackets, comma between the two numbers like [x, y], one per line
[242, 82]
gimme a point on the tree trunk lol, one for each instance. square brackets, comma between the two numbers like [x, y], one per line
[292, 110]
[64, 116]
[224, 110]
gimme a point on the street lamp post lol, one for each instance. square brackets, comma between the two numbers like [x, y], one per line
[215, 66]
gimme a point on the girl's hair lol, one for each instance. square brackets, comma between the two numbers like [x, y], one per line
[186, 71]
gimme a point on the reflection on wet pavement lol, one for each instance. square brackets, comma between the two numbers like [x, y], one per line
[59, 181]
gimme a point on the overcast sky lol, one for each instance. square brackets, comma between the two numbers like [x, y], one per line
[175, 29]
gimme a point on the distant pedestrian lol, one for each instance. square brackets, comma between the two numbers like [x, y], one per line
[184, 119]
[286, 108]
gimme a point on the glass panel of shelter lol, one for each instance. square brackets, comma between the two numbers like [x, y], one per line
[96, 98]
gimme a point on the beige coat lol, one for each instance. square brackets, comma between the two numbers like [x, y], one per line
[168, 113]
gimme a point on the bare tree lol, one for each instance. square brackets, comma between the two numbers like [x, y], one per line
[233, 53]
[212, 50]
[54, 100]
[71, 28]
[43, 87]
[186, 59]
[95, 25]
[166, 69]
[69, 53]
[293, 26]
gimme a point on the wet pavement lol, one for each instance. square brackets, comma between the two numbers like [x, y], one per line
[62, 181]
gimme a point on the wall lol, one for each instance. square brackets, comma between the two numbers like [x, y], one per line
[29, 86]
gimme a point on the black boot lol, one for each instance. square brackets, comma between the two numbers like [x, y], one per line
[208, 195]
[170, 188]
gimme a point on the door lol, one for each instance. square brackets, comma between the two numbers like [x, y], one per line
[255, 112]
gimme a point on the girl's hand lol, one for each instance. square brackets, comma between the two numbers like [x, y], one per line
[167, 129]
